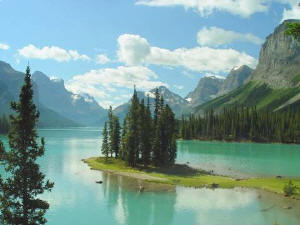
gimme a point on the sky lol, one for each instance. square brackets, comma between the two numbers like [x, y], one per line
[105, 47]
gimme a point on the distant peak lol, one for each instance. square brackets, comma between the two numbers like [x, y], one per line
[214, 76]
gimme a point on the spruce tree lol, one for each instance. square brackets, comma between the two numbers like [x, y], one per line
[19, 202]
[133, 134]
[110, 131]
[116, 136]
[105, 145]
[156, 106]
[124, 139]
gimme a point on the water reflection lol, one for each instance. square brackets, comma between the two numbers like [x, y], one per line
[154, 206]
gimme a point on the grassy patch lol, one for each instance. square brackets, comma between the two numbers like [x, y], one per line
[189, 177]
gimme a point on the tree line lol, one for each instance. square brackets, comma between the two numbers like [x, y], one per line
[145, 139]
[4, 124]
[238, 124]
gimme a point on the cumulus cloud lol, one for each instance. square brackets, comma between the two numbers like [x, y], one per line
[133, 49]
[52, 52]
[4, 46]
[102, 59]
[196, 59]
[243, 8]
[215, 36]
[292, 13]
[99, 83]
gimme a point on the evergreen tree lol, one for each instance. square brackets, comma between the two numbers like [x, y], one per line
[105, 144]
[133, 134]
[19, 202]
[156, 106]
[124, 139]
[116, 136]
[110, 131]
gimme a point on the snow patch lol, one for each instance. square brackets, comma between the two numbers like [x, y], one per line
[189, 99]
[56, 79]
[236, 68]
[214, 76]
[151, 95]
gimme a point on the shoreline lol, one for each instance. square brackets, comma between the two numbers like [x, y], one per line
[183, 175]
[238, 141]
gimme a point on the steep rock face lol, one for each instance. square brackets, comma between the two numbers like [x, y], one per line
[207, 89]
[279, 60]
[235, 79]
[81, 108]
[177, 103]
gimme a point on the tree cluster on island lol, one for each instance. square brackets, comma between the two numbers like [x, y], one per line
[23, 182]
[244, 123]
[145, 139]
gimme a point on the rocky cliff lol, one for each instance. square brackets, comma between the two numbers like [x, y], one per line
[279, 60]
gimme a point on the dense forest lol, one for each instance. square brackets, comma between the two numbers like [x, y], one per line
[145, 139]
[243, 124]
[4, 124]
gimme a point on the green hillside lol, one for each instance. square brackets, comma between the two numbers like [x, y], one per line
[255, 94]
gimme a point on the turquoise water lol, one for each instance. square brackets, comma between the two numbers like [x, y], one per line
[77, 200]
[243, 159]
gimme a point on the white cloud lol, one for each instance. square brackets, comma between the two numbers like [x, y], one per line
[215, 36]
[52, 52]
[4, 46]
[196, 59]
[133, 49]
[99, 83]
[102, 59]
[292, 13]
[243, 8]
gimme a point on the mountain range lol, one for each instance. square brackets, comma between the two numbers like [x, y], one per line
[274, 85]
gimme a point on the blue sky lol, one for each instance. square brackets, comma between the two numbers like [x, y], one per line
[103, 47]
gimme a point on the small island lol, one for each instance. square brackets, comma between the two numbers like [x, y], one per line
[184, 175]
[147, 150]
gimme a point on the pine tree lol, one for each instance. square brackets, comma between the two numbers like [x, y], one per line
[105, 145]
[156, 106]
[19, 192]
[133, 135]
[110, 131]
[116, 136]
[124, 139]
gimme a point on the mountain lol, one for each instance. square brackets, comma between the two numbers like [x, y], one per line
[234, 79]
[210, 87]
[279, 60]
[10, 83]
[207, 89]
[274, 84]
[82, 109]
[177, 103]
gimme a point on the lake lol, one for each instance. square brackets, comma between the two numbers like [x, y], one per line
[76, 199]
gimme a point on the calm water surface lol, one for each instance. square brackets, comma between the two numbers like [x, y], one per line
[78, 200]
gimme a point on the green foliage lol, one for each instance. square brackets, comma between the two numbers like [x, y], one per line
[290, 188]
[144, 140]
[244, 123]
[19, 202]
[105, 145]
[293, 29]
[252, 94]
[4, 124]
